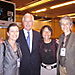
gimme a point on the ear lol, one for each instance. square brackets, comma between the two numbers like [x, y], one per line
[7, 34]
[71, 26]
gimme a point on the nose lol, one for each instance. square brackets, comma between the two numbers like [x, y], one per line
[15, 32]
[27, 23]
[46, 32]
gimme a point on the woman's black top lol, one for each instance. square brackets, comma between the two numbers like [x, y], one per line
[48, 52]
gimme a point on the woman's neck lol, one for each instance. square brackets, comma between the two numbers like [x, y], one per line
[47, 41]
[11, 41]
[13, 44]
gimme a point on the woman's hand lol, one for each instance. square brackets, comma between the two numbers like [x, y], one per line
[1, 40]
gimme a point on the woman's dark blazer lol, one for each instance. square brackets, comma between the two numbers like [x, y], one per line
[30, 63]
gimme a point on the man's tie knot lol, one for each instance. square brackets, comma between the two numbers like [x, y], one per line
[28, 34]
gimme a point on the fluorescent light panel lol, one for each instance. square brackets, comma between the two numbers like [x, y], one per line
[63, 4]
[72, 14]
[72, 17]
[55, 6]
[33, 5]
[41, 10]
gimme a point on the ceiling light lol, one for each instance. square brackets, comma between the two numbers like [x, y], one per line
[63, 4]
[72, 17]
[41, 10]
[32, 5]
[47, 20]
[72, 14]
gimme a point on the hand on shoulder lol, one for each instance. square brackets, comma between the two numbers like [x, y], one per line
[1, 40]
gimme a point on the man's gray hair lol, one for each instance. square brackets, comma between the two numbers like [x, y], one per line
[27, 14]
[66, 18]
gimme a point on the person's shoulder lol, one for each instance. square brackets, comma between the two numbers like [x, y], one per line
[53, 40]
[35, 31]
[73, 33]
[21, 30]
[62, 35]
[2, 44]
[36, 34]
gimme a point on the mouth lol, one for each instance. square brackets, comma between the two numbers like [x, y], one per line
[27, 25]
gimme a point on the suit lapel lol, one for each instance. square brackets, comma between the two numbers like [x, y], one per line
[70, 41]
[24, 40]
[33, 41]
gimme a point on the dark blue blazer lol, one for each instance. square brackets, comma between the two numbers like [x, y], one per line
[30, 62]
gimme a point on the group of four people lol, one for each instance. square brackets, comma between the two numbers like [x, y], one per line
[44, 54]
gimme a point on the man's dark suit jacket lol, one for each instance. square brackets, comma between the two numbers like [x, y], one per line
[30, 62]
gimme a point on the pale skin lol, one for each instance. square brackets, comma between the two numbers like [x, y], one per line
[28, 22]
[66, 27]
[46, 35]
[13, 35]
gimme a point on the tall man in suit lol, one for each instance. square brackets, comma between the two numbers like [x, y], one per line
[66, 49]
[30, 62]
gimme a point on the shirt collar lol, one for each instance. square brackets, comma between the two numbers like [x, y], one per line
[25, 32]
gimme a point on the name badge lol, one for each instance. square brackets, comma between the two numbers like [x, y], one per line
[18, 62]
[63, 52]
